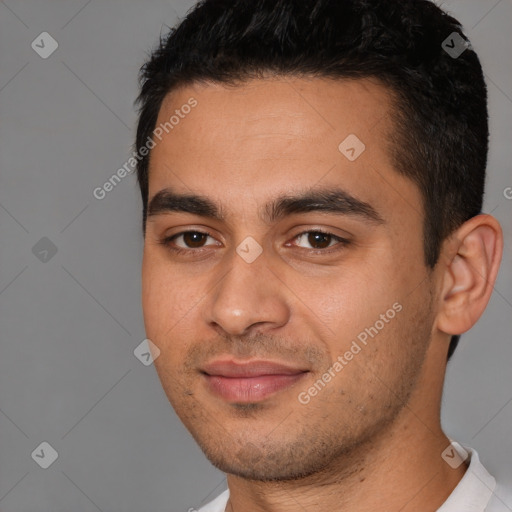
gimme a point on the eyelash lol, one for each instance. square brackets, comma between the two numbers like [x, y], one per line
[166, 242]
[339, 245]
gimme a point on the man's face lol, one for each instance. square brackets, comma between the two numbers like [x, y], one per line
[308, 255]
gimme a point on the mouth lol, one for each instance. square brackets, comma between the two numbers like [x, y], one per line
[248, 382]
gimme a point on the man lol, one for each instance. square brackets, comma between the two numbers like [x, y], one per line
[314, 246]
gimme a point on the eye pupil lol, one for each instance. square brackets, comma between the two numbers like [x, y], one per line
[319, 240]
[194, 239]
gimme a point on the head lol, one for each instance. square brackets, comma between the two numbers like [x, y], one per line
[327, 160]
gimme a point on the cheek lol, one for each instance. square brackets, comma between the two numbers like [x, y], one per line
[151, 295]
[160, 304]
[171, 302]
[165, 311]
[347, 304]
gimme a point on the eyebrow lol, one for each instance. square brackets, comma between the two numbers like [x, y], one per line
[330, 200]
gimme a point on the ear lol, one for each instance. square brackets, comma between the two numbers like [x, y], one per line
[471, 258]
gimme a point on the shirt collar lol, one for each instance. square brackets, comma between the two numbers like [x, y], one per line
[474, 491]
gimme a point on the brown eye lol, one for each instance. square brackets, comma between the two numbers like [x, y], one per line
[315, 240]
[319, 240]
[194, 239]
[190, 243]
[188, 240]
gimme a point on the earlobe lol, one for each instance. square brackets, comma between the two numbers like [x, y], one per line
[469, 273]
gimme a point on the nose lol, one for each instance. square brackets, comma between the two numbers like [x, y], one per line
[248, 297]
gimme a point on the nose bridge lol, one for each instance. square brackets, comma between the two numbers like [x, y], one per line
[247, 295]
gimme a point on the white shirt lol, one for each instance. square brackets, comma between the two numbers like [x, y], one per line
[476, 492]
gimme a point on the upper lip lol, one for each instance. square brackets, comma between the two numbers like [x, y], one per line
[254, 368]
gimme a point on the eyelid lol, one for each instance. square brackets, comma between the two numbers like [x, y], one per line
[167, 241]
[182, 233]
[341, 241]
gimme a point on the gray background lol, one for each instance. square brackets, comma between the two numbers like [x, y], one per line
[68, 374]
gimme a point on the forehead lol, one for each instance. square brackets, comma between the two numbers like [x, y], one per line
[282, 108]
[266, 136]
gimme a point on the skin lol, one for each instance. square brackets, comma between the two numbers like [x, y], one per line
[371, 438]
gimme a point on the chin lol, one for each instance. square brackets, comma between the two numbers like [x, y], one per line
[286, 461]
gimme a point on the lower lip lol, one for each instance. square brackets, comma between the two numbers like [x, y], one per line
[250, 389]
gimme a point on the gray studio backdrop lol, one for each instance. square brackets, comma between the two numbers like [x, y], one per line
[84, 423]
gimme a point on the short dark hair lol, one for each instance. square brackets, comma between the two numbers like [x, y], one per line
[440, 120]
